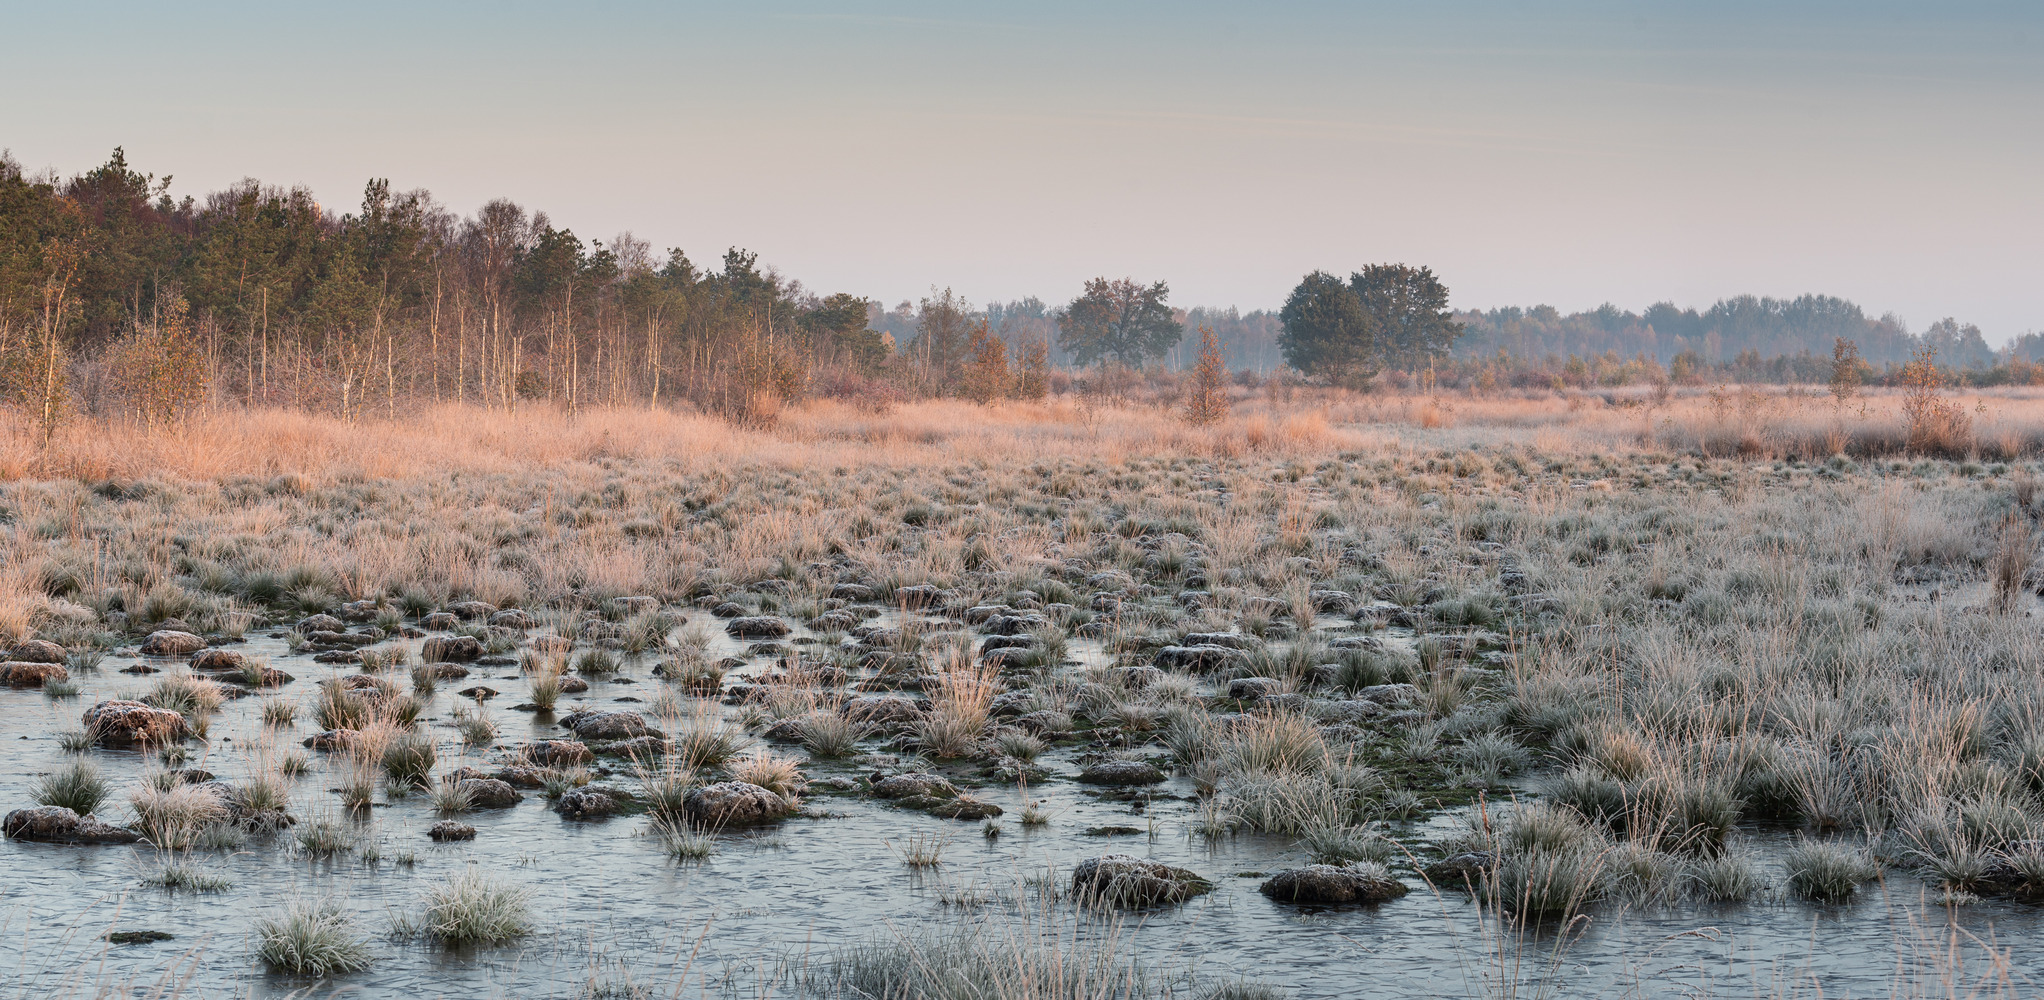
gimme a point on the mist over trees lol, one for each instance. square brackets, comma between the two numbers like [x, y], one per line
[1746, 324]
[116, 296]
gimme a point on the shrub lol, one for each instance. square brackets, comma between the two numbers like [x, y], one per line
[476, 729]
[263, 795]
[279, 711]
[1540, 884]
[664, 789]
[186, 695]
[1492, 755]
[1293, 803]
[1019, 745]
[1541, 826]
[686, 842]
[923, 850]
[976, 962]
[1276, 742]
[545, 685]
[451, 797]
[949, 735]
[400, 710]
[188, 877]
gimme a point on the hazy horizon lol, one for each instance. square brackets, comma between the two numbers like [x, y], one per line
[1568, 156]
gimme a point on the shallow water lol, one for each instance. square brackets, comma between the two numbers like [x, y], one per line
[613, 909]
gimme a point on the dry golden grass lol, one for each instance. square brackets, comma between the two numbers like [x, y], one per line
[1742, 421]
[444, 439]
[441, 439]
[511, 507]
[1673, 619]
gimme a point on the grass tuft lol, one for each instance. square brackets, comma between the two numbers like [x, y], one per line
[310, 938]
[77, 786]
[1827, 872]
[473, 908]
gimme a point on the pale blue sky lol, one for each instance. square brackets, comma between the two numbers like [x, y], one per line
[1568, 153]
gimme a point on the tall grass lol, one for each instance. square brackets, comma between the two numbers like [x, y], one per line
[958, 719]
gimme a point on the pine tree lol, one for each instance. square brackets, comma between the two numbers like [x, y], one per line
[1208, 401]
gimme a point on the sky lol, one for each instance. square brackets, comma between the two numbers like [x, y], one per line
[1569, 153]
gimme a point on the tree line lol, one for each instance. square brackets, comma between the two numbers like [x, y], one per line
[117, 297]
[1731, 329]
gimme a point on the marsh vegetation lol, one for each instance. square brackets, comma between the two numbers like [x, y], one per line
[1523, 684]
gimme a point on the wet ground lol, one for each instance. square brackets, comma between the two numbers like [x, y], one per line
[614, 912]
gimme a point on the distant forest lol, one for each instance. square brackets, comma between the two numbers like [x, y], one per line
[116, 295]
[1772, 327]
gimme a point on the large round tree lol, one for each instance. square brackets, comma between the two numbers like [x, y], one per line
[1327, 333]
[1123, 319]
[1384, 314]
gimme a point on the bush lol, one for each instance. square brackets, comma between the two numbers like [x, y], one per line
[779, 775]
[451, 797]
[545, 686]
[325, 836]
[664, 789]
[186, 695]
[950, 735]
[339, 708]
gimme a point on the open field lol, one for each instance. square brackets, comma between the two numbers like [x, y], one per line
[1568, 695]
